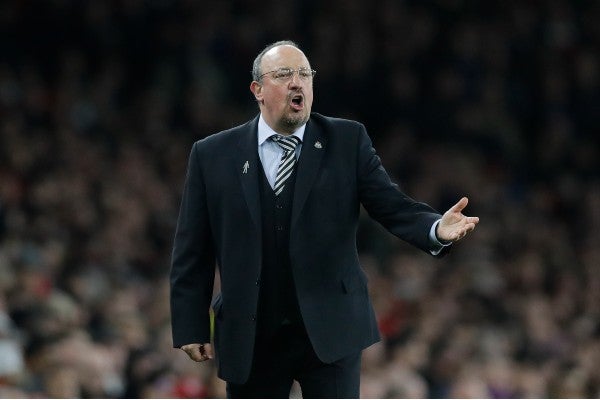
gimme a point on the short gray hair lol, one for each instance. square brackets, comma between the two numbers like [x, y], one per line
[256, 70]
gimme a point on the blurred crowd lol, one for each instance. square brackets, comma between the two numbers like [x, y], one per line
[100, 102]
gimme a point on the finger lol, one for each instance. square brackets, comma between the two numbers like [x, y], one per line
[465, 230]
[194, 352]
[208, 351]
[461, 232]
[472, 220]
[468, 228]
[458, 207]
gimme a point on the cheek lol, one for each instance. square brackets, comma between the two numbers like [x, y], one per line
[309, 97]
[276, 99]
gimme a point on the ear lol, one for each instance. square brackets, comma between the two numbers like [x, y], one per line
[256, 89]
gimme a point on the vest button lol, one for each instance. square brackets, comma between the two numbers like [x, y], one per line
[258, 282]
[279, 227]
[253, 318]
[278, 206]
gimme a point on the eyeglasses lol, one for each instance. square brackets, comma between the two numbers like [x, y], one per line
[285, 74]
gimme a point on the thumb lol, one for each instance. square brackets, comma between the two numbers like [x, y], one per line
[197, 351]
[458, 207]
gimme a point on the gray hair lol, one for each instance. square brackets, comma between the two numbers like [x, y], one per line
[256, 70]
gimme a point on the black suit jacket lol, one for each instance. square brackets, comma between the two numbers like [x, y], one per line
[220, 220]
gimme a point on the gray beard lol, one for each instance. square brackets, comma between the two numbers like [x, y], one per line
[295, 122]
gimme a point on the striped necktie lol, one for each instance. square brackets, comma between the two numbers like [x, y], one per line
[288, 160]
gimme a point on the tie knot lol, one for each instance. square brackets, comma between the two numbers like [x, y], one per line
[287, 143]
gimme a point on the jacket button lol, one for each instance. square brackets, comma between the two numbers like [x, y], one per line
[279, 206]
[279, 227]
[253, 318]
[258, 282]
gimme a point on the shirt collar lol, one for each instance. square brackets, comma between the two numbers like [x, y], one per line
[265, 131]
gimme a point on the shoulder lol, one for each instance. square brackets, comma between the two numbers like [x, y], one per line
[223, 139]
[344, 132]
[332, 123]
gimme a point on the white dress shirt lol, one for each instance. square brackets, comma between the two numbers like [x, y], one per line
[270, 152]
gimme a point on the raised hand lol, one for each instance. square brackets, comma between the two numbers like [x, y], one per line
[454, 225]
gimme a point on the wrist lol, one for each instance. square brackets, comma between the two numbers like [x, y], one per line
[442, 241]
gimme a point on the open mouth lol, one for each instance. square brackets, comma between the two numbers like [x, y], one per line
[297, 102]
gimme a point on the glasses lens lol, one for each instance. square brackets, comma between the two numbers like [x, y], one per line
[283, 73]
[305, 73]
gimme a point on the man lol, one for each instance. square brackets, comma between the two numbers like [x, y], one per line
[275, 203]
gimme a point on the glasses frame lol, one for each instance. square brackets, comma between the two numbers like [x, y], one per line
[293, 71]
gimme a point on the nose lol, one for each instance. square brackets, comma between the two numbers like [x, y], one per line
[295, 81]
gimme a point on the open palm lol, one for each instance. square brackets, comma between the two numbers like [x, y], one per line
[454, 224]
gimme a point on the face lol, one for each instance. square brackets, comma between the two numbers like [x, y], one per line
[284, 103]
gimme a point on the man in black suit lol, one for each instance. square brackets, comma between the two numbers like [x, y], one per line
[275, 203]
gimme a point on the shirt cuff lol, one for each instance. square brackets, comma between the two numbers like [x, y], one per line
[436, 244]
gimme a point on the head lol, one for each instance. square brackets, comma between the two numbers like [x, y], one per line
[285, 101]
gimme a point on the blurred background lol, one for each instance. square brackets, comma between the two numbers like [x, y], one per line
[100, 102]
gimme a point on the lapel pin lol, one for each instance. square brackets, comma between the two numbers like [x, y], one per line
[318, 145]
[246, 166]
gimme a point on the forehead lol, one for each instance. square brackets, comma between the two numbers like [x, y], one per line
[284, 56]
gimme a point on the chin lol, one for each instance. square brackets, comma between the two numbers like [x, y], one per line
[295, 121]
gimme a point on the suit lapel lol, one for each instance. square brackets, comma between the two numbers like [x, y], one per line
[248, 164]
[309, 163]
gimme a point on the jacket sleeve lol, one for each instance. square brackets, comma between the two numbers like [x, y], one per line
[193, 261]
[387, 204]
